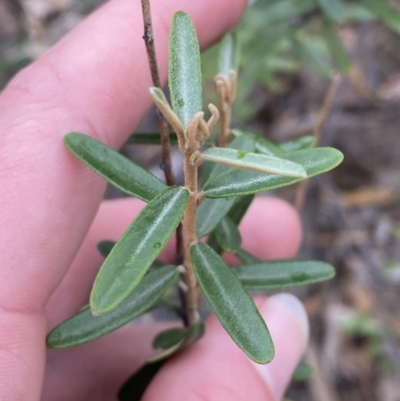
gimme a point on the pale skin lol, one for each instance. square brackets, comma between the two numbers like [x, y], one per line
[96, 81]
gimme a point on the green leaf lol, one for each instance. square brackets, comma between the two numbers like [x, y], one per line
[210, 213]
[134, 388]
[266, 147]
[253, 161]
[261, 144]
[133, 254]
[232, 304]
[170, 343]
[151, 139]
[313, 55]
[169, 338]
[283, 273]
[105, 247]
[240, 208]
[184, 68]
[358, 13]
[246, 257]
[338, 52]
[242, 143]
[195, 332]
[227, 235]
[304, 142]
[229, 54]
[389, 15]
[302, 372]
[115, 168]
[334, 9]
[85, 327]
[240, 182]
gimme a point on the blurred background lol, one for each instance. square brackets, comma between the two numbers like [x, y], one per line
[329, 68]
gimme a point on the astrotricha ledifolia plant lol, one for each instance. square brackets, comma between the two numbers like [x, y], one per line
[132, 280]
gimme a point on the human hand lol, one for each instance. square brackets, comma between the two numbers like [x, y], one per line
[96, 81]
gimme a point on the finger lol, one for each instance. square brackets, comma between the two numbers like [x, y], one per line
[270, 229]
[95, 81]
[216, 369]
[85, 83]
[95, 371]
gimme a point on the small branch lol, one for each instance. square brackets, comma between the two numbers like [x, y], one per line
[148, 38]
[155, 76]
[322, 116]
[226, 91]
[189, 218]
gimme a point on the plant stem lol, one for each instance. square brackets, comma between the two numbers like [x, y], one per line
[155, 76]
[197, 128]
[166, 164]
[322, 116]
[189, 235]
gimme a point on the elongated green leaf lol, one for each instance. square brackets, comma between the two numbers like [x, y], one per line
[227, 235]
[176, 339]
[151, 139]
[304, 142]
[236, 213]
[210, 213]
[261, 144]
[339, 54]
[358, 13]
[169, 338]
[388, 14]
[254, 161]
[266, 147]
[85, 327]
[283, 273]
[229, 54]
[184, 68]
[314, 56]
[133, 254]
[334, 9]
[237, 182]
[303, 371]
[232, 304]
[240, 208]
[195, 332]
[242, 143]
[115, 168]
[105, 247]
[246, 257]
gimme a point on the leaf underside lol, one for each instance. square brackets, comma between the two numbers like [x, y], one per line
[303, 142]
[237, 182]
[254, 161]
[139, 246]
[229, 54]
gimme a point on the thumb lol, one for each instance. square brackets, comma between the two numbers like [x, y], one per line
[215, 369]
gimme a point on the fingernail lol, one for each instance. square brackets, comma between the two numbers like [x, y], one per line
[288, 324]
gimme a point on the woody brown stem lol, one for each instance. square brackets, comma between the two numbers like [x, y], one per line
[155, 76]
[189, 235]
[166, 164]
[190, 165]
[323, 114]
